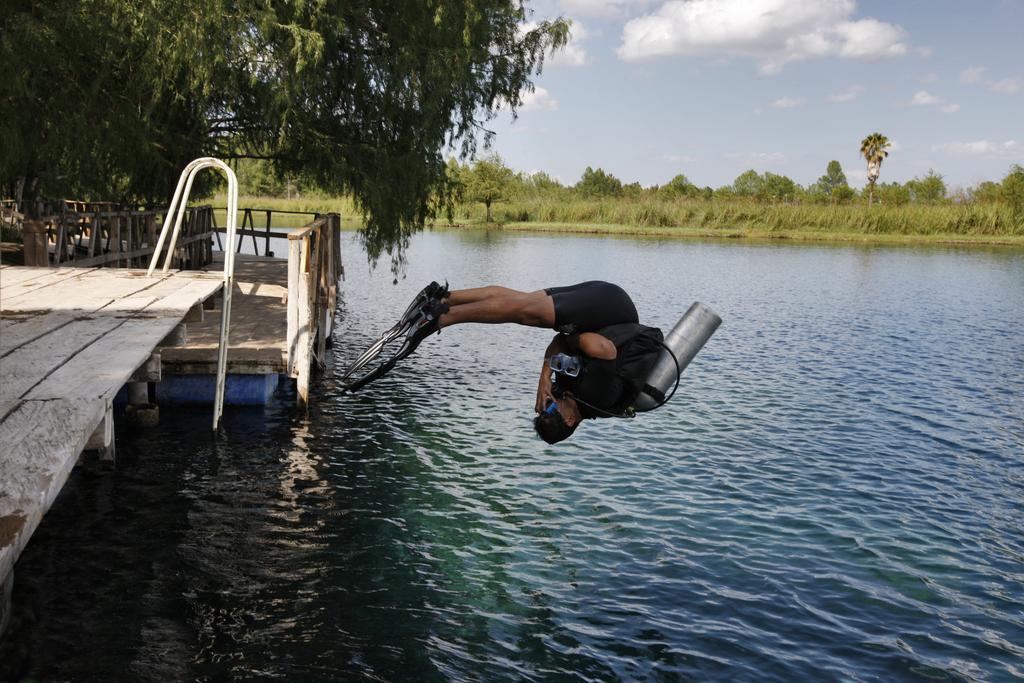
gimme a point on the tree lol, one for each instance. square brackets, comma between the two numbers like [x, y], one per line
[488, 182]
[832, 185]
[747, 184]
[679, 186]
[359, 98]
[598, 184]
[874, 148]
[777, 188]
[893, 194]
[931, 188]
[1013, 189]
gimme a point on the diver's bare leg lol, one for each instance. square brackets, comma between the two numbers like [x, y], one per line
[468, 296]
[536, 309]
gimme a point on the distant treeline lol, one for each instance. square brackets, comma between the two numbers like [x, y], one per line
[488, 181]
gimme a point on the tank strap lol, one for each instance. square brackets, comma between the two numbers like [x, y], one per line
[654, 393]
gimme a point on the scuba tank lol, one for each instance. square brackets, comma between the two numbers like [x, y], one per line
[687, 338]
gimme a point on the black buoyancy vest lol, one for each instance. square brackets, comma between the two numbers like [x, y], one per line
[613, 385]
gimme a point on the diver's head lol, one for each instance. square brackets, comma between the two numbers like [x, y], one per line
[558, 420]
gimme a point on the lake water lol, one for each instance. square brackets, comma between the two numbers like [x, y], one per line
[835, 493]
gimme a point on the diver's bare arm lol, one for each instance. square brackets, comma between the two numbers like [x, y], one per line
[593, 345]
[557, 345]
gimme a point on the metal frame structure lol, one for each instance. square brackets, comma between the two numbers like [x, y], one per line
[175, 215]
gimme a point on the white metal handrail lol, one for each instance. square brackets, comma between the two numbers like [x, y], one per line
[175, 214]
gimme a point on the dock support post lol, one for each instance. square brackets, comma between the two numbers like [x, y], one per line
[176, 337]
[102, 440]
[33, 235]
[304, 327]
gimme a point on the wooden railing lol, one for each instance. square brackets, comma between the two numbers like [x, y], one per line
[314, 268]
[86, 235]
[247, 228]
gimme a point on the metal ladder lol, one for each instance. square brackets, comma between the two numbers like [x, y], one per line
[175, 214]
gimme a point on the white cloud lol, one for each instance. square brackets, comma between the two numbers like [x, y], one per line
[788, 102]
[950, 108]
[602, 9]
[1006, 86]
[923, 98]
[982, 148]
[681, 158]
[755, 158]
[925, 51]
[929, 78]
[774, 31]
[971, 74]
[538, 100]
[847, 95]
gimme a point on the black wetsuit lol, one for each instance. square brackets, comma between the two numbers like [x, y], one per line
[605, 386]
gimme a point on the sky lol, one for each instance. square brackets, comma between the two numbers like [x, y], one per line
[648, 89]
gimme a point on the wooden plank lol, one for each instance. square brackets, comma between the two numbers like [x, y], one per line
[13, 275]
[28, 365]
[49, 276]
[92, 289]
[42, 440]
[96, 372]
[20, 328]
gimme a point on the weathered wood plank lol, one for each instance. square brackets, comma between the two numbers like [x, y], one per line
[30, 364]
[96, 372]
[48, 277]
[42, 440]
[91, 289]
[13, 275]
[18, 328]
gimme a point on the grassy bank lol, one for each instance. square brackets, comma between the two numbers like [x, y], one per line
[988, 220]
[913, 223]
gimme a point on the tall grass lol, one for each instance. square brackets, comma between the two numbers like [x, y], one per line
[716, 217]
[738, 215]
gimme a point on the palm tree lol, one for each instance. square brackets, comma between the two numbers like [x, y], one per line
[874, 148]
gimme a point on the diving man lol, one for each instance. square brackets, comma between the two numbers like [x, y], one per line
[595, 366]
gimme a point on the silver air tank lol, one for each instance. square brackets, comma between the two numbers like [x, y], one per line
[687, 338]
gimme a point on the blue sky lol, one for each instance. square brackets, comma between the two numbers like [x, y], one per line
[710, 88]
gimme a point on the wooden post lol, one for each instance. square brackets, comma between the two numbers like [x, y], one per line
[33, 234]
[266, 248]
[114, 236]
[102, 439]
[305, 322]
[294, 268]
[60, 245]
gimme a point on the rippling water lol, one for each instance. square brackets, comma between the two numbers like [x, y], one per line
[836, 493]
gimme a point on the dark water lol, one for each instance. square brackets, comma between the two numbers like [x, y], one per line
[836, 493]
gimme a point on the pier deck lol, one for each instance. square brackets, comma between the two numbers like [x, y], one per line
[258, 343]
[70, 338]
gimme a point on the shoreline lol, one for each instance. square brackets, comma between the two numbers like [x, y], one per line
[746, 234]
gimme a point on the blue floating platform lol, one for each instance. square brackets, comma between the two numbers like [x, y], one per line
[240, 390]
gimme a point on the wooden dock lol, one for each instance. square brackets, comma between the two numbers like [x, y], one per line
[70, 338]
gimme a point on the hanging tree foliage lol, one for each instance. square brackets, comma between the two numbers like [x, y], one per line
[110, 98]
